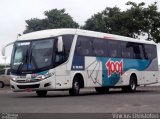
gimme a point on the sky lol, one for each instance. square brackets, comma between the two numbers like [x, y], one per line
[13, 14]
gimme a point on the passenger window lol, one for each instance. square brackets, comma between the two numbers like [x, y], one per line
[84, 46]
[127, 50]
[136, 49]
[150, 51]
[114, 48]
[132, 50]
[99, 46]
[67, 41]
[141, 48]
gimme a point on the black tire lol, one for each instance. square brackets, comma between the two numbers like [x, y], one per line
[102, 90]
[74, 91]
[41, 93]
[132, 85]
[1, 84]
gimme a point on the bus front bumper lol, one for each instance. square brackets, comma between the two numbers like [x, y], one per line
[47, 84]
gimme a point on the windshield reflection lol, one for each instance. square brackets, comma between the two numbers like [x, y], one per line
[32, 56]
[41, 54]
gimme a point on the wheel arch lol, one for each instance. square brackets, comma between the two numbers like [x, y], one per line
[135, 76]
[80, 79]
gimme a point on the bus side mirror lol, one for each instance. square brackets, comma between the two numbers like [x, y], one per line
[60, 44]
[3, 51]
[4, 48]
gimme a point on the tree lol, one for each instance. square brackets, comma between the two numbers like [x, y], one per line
[146, 20]
[133, 22]
[152, 22]
[54, 19]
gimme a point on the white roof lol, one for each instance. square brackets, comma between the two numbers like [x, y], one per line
[46, 34]
[56, 32]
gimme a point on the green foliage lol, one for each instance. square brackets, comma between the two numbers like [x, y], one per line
[3, 66]
[135, 21]
[96, 23]
[54, 19]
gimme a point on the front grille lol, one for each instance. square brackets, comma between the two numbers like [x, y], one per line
[21, 81]
[28, 86]
[24, 81]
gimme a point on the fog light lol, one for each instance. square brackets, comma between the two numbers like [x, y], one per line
[47, 84]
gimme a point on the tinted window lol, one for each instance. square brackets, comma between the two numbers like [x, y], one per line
[20, 55]
[142, 50]
[84, 46]
[114, 48]
[67, 41]
[127, 49]
[99, 46]
[138, 51]
[41, 55]
[132, 50]
[150, 51]
[63, 56]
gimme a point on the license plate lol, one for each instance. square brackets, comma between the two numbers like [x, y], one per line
[28, 89]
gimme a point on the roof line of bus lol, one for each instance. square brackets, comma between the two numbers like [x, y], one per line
[56, 32]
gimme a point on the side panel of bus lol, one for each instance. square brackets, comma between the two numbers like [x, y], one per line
[115, 70]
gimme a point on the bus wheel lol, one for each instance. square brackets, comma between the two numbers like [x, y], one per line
[132, 84]
[102, 90]
[1, 84]
[74, 91]
[41, 93]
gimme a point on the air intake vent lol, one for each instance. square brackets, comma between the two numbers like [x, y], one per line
[28, 86]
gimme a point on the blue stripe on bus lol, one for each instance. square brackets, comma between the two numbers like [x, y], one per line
[137, 64]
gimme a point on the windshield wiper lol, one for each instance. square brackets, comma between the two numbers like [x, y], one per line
[24, 60]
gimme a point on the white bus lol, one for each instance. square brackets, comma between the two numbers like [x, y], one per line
[71, 59]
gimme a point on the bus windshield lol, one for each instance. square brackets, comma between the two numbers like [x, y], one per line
[32, 56]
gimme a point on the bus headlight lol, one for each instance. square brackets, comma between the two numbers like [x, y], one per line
[42, 77]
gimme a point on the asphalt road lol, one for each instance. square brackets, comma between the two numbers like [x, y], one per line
[146, 99]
